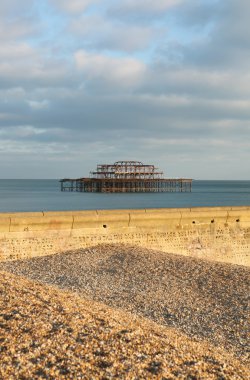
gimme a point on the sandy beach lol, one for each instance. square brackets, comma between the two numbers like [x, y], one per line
[181, 310]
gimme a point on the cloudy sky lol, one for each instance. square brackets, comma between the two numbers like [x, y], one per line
[96, 81]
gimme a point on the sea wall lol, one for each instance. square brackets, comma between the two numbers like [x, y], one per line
[214, 233]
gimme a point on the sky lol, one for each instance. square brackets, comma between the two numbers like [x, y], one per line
[164, 82]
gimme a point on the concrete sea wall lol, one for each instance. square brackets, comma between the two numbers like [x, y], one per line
[214, 233]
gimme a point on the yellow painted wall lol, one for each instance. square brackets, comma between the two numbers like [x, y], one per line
[214, 233]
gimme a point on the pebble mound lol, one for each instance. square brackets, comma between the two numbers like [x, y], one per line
[50, 334]
[205, 300]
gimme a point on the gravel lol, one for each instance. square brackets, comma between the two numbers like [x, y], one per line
[51, 334]
[203, 299]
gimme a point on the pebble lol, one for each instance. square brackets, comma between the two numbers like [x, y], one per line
[188, 318]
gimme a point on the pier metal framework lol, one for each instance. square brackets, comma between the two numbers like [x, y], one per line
[126, 177]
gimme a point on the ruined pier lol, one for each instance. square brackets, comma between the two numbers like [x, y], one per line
[126, 177]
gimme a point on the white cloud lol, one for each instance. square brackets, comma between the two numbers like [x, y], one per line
[73, 6]
[98, 32]
[21, 131]
[102, 80]
[17, 21]
[16, 29]
[143, 6]
[17, 51]
[124, 71]
[38, 105]
[22, 65]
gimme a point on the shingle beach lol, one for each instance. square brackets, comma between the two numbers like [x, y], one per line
[168, 316]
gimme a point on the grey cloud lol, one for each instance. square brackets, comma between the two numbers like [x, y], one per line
[198, 14]
[97, 33]
[226, 44]
[14, 8]
[17, 29]
[141, 10]
[63, 108]
[18, 19]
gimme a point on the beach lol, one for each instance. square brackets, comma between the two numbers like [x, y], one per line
[179, 309]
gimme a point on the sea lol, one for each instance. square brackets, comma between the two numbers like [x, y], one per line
[21, 195]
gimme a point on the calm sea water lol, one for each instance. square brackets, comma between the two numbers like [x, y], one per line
[45, 195]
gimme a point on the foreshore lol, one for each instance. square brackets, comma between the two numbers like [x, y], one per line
[196, 314]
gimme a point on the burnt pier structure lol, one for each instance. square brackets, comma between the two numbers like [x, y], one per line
[126, 177]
